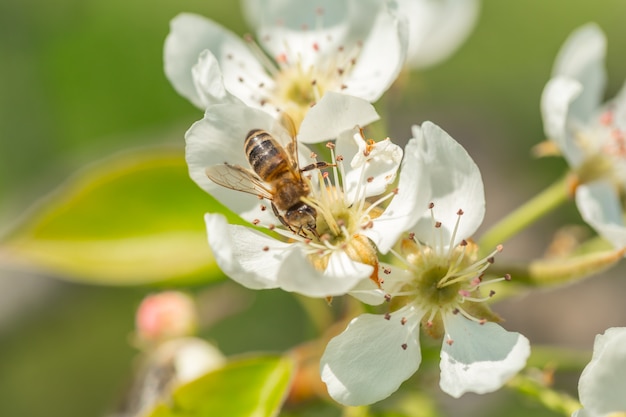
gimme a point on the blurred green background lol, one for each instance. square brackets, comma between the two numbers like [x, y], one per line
[83, 80]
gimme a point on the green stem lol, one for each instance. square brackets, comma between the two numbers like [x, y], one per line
[518, 220]
[553, 400]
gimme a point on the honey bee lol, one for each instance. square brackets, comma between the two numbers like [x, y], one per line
[276, 176]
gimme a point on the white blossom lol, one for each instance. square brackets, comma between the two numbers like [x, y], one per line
[334, 257]
[304, 49]
[589, 134]
[439, 286]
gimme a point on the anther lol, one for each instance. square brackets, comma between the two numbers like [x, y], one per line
[339, 158]
[330, 145]
[240, 79]
[261, 85]
[463, 243]
[316, 47]
[266, 248]
[499, 248]
[492, 293]
[271, 226]
[263, 208]
[386, 271]
[387, 297]
[464, 293]
[343, 86]
[229, 56]
[403, 321]
[449, 342]
[404, 346]
[387, 316]
[370, 179]
[256, 221]
[507, 277]
[412, 236]
[482, 321]
[431, 205]
[313, 155]
[456, 311]
[491, 259]
[429, 324]
[340, 71]
[437, 225]
[460, 212]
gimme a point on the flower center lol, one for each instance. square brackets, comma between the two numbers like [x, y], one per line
[302, 75]
[443, 277]
[605, 145]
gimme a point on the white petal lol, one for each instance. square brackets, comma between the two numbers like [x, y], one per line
[208, 80]
[245, 255]
[556, 100]
[296, 30]
[407, 205]
[602, 384]
[381, 58]
[455, 183]
[366, 363]
[599, 205]
[619, 103]
[437, 28]
[341, 275]
[309, 33]
[294, 14]
[334, 114]
[378, 162]
[367, 292]
[191, 34]
[219, 138]
[582, 58]
[481, 358]
[195, 357]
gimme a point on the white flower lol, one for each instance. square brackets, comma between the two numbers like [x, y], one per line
[439, 287]
[437, 28]
[353, 46]
[590, 135]
[603, 382]
[334, 255]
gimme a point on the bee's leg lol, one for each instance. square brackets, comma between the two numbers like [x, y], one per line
[281, 218]
[317, 165]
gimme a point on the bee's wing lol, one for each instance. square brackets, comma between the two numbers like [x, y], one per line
[238, 178]
[292, 147]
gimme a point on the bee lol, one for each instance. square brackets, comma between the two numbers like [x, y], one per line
[276, 176]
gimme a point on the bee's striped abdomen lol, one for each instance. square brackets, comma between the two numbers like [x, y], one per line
[267, 158]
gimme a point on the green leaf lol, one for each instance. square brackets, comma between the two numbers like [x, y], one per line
[248, 387]
[134, 218]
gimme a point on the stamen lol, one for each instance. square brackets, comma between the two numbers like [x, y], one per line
[470, 317]
[456, 228]
[256, 50]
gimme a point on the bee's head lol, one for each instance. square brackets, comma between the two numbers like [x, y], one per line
[302, 217]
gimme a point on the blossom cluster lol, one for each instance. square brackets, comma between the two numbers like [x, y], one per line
[324, 211]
